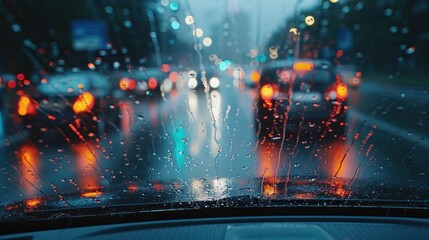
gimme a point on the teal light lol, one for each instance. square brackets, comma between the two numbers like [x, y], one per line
[222, 66]
[174, 6]
[228, 63]
[262, 58]
[175, 25]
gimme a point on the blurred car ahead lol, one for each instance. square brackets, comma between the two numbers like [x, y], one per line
[140, 83]
[194, 79]
[350, 75]
[77, 105]
[302, 94]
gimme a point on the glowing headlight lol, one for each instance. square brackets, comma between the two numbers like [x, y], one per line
[142, 86]
[214, 82]
[167, 85]
[192, 83]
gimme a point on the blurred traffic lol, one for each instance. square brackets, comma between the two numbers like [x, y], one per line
[147, 93]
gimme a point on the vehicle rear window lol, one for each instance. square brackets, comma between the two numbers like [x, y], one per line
[285, 75]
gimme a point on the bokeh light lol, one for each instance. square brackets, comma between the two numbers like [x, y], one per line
[309, 20]
[174, 6]
[207, 42]
[198, 32]
[189, 20]
[175, 25]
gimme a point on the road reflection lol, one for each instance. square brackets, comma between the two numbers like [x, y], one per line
[29, 169]
[203, 190]
[216, 107]
[87, 169]
[127, 118]
[327, 168]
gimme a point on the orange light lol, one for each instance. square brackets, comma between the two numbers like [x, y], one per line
[255, 76]
[32, 203]
[25, 106]
[174, 76]
[342, 91]
[91, 66]
[84, 103]
[269, 190]
[267, 92]
[124, 84]
[152, 83]
[91, 194]
[303, 66]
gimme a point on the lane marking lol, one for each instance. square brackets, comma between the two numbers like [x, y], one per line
[416, 94]
[395, 130]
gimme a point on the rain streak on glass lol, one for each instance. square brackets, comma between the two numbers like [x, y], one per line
[143, 102]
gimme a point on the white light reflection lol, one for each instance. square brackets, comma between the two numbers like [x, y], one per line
[216, 102]
[203, 190]
[197, 141]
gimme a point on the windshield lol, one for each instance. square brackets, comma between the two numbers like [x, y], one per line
[163, 101]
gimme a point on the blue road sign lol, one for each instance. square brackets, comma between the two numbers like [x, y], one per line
[89, 35]
[345, 39]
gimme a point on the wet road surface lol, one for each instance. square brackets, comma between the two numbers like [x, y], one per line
[193, 137]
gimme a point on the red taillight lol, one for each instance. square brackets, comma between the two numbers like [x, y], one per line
[127, 84]
[152, 83]
[174, 76]
[267, 92]
[11, 84]
[26, 106]
[132, 84]
[165, 68]
[84, 103]
[342, 91]
[20, 76]
[358, 74]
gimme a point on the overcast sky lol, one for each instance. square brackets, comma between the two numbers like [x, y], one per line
[272, 12]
